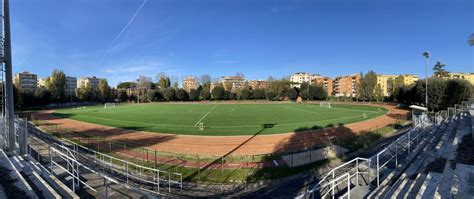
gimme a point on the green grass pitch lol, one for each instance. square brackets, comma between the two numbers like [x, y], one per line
[222, 119]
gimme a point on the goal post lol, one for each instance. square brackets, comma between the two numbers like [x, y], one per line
[110, 105]
[325, 104]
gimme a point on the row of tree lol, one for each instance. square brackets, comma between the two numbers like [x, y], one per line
[56, 91]
[441, 93]
[277, 90]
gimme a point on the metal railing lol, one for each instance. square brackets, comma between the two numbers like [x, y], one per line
[130, 173]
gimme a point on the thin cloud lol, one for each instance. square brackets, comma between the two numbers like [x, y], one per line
[121, 32]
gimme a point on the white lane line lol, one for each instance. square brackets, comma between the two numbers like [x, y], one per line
[205, 115]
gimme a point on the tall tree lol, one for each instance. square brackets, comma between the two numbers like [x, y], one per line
[317, 92]
[292, 94]
[163, 81]
[193, 94]
[124, 85]
[245, 94]
[205, 81]
[56, 83]
[182, 95]
[366, 88]
[436, 93]
[122, 96]
[457, 90]
[205, 94]
[378, 93]
[170, 94]
[143, 85]
[259, 93]
[104, 90]
[439, 70]
[218, 92]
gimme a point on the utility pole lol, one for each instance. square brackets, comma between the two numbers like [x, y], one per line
[7, 59]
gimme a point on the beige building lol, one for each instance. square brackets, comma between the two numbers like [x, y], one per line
[237, 82]
[409, 79]
[93, 81]
[190, 83]
[382, 80]
[254, 84]
[26, 81]
[466, 76]
[301, 77]
[346, 85]
[326, 82]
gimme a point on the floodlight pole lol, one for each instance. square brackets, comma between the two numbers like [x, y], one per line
[426, 54]
[7, 59]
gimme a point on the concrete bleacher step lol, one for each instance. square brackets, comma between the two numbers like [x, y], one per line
[403, 189]
[54, 182]
[444, 188]
[21, 182]
[423, 145]
[393, 188]
[35, 179]
[428, 188]
[415, 186]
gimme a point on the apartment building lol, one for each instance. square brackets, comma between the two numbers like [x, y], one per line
[237, 82]
[409, 79]
[42, 82]
[71, 85]
[466, 76]
[254, 84]
[382, 80]
[326, 82]
[301, 77]
[93, 81]
[346, 85]
[26, 81]
[190, 83]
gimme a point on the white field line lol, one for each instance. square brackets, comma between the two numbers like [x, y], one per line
[304, 110]
[205, 115]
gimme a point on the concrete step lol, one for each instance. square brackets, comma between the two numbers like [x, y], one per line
[36, 180]
[394, 187]
[14, 173]
[462, 180]
[428, 188]
[57, 185]
[415, 186]
[402, 189]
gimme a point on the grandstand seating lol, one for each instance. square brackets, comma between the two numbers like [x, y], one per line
[32, 178]
[427, 170]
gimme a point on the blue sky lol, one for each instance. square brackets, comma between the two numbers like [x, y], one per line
[257, 38]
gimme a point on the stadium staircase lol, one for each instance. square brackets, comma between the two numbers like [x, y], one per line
[419, 164]
[32, 178]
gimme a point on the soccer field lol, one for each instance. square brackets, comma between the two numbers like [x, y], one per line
[222, 119]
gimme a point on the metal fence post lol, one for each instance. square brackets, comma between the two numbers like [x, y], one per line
[378, 171]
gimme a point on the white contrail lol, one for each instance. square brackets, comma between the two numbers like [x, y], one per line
[121, 32]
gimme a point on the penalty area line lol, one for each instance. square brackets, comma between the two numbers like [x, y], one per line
[204, 116]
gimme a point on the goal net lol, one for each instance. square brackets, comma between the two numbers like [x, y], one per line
[325, 104]
[109, 105]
